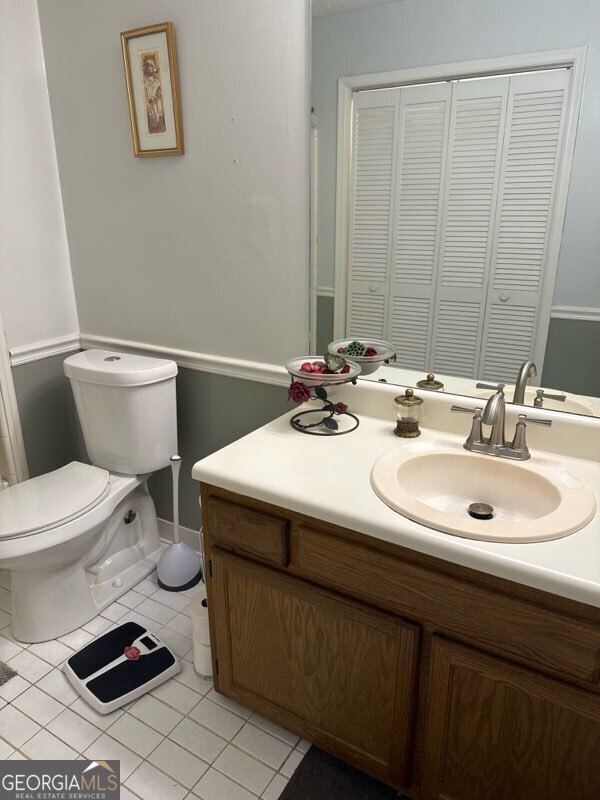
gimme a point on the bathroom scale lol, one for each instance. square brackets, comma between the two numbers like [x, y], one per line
[120, 666]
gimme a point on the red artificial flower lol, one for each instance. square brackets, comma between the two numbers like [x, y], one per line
[341, 408]
[298, 392]
[370, 351]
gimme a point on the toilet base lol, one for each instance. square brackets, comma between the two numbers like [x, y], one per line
[119, 553]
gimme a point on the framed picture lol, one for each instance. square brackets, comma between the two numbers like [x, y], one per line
[153, 90]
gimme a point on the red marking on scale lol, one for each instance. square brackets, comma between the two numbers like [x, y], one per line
[132, 653]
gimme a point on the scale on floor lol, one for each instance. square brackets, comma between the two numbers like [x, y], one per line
[120, 666]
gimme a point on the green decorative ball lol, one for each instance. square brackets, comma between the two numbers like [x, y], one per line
[355, 348]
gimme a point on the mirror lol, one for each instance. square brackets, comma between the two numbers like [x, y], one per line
[362, 37]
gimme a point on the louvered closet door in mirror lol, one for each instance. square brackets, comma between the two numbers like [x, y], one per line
[452, 196]
[469, 206]
[518, 304]
[417, 217]
[375, 120]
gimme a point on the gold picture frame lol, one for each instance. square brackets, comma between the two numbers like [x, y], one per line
[152, 82]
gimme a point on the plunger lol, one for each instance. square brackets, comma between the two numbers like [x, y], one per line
[179, 567]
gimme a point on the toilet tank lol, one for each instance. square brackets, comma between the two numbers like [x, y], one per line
[126, 407]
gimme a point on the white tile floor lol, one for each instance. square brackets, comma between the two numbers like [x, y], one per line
[183, 740]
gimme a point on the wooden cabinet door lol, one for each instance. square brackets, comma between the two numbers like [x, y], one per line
[330, 669]
[495, 730]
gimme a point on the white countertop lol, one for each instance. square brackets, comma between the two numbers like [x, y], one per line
[328, 478]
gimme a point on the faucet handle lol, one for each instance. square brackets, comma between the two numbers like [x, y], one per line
[464, 410]
[476, 434]
[546, 422]
[540, 396]
[519, 443]
[495, 387]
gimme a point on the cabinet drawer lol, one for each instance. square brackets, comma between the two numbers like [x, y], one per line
[512, 627]
[248, 531]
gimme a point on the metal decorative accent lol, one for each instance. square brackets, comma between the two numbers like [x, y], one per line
[430, 383]
[407, 429]
[323, 426]
[334, 370]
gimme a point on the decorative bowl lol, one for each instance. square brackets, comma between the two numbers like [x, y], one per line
[320, 378]
[368, 364]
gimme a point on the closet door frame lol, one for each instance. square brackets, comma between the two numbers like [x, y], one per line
[573, 59]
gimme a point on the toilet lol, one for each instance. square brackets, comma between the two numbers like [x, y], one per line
[79, 537]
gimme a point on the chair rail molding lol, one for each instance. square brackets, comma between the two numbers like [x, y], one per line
[325, 291]
[576, 312]
[44, 349]
[257, 371]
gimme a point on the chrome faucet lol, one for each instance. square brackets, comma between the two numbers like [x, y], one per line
[494, 414]
[495, 444]
[527, 370]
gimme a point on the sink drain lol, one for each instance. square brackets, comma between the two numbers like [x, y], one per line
[481, 510]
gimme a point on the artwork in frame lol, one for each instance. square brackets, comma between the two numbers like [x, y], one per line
[153, 90]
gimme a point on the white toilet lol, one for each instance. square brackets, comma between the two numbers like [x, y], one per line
[78, 538]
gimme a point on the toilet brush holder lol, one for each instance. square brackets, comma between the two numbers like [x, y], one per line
[179, 567]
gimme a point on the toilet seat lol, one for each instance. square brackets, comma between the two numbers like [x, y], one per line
[50, 500]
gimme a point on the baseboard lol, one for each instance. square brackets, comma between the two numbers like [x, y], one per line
[187, 535]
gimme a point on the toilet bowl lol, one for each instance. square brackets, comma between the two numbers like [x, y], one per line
[79, 537]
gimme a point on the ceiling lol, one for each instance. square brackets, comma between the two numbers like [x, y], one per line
[322, 7]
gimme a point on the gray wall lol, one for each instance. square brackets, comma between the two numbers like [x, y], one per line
[572, 360]
[324, 323]
[212, 411]
[207, 251]
[417, 33]
[48, 417]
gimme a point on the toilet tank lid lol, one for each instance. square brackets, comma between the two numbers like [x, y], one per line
[110, 368]
[51, 499]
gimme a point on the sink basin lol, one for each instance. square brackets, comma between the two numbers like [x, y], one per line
[570, 404]
[530, 503]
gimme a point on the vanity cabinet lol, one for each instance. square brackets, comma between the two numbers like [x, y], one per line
[497, 730]
[339, 671]
[437, 679]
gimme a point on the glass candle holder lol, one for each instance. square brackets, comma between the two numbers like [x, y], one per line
[407, 410]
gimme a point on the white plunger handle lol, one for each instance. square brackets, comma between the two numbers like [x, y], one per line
[175, 467]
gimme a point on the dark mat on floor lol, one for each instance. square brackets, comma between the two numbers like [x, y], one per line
[323, 777]
[6, 673]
